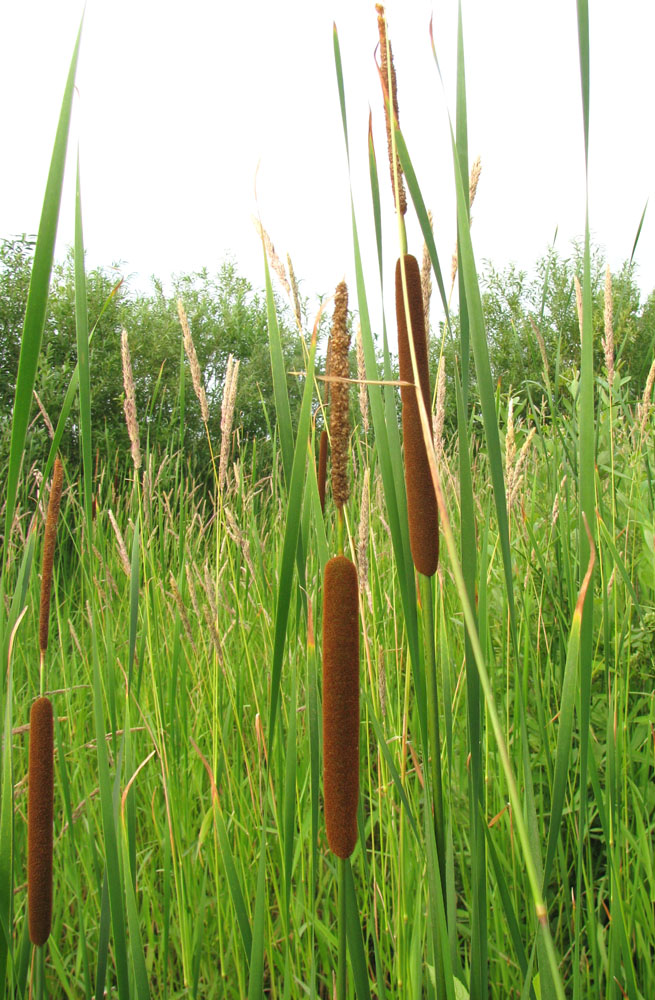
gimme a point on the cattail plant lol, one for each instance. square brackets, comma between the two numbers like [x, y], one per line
[40, 794]
[340, 642]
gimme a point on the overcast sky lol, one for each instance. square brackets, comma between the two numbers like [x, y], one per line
[178, 104]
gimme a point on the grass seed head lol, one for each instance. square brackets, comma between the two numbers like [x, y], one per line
[49, 551]
[421, 497]
[40, 809]
[388, 77]
[194, 365]
[129, 405]
[341, 704]
[339, 412]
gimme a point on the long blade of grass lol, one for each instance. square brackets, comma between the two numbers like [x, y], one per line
[291, 535]
[82, 332]
[37, 299]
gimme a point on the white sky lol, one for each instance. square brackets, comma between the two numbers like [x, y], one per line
[179, 102]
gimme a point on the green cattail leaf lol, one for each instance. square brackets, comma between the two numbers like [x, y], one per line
[37, 299]
[355, 940]
[256, 980]
[289, 801]
[291, 537]
[114, 879]
[509, 911]
[583, 44]
[393, 770]
[139, 970]
[639, 228]
[82, 331]
[134, 598]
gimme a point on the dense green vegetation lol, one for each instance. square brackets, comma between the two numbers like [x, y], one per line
[184, 654]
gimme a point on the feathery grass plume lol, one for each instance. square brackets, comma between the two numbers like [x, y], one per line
[643, 409]
[426, 281]
[129, 404]
[49, 552]
[40, 811]
[474, 178]
[340, 369]
[122, 548]
[361, 378]
[388, 75]
[273, 259]
[608, 336]
[46, 419]
[295, 297]
[542, 350]
[516, 477]
[362, 543]
[341, 704]
[227, 416]
[322, 467]
[190, 351]
[421, 498]
[440, 410]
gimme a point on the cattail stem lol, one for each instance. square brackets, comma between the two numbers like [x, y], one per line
[322, 467]
[40, 808]
[342, 952]
[434, 737]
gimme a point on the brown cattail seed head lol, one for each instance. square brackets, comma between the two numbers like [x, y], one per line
[340, 369]
[39, 821]
[49, 551]
[341, 704]
[322, 467]
[421, 498]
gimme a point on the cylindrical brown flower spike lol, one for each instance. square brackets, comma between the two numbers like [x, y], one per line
[40, 806]
[322, 467]
[421, 498]
[341, 704]
[49, 551]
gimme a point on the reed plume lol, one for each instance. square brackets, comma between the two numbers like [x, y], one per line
[340, 370]
[421, 498]
[129, 404]
[390, 90]
[194, 365]
[361, 378]
[227, 416]
[49, 552]
[40, 809]
[340, 704]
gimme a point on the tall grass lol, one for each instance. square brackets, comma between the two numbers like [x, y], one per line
[190, 850]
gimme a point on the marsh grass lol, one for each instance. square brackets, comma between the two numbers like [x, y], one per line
[190, 850]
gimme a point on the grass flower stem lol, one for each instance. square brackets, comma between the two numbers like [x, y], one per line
[342, 957]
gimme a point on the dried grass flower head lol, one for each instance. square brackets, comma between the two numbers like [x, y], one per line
[340, 390]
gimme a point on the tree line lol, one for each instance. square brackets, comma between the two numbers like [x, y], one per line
[227, 316]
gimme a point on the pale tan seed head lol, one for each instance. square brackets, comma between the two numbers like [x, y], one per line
[227, 416]
[426, 281]
[129, 404]
[276, 264]
[644, 408]
[389, 88]
[440, 412]
[339, 413]
[190, 351]
[295, 295]
[476, 170]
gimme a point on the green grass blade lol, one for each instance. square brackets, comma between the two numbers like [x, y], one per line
[114, 880]
[256, 980]
[37, 299]
[355, 940]
[291, 535]
[82, 330]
